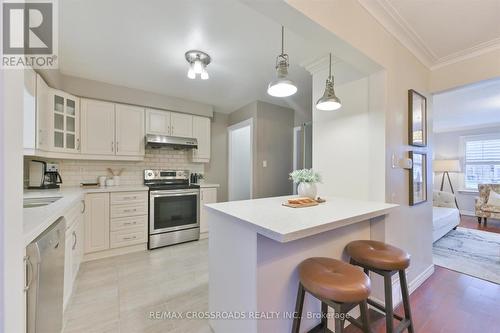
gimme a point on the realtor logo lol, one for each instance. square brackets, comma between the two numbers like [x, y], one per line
[29, 34]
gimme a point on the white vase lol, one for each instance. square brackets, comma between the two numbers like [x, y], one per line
[307, 190]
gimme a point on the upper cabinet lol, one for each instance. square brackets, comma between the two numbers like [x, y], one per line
[98, 127]
[64, 125]
[181, 125]
[157, 122]
[29, 106]
[201, 131]
[129, 130]
[112, 129]
[169, 123]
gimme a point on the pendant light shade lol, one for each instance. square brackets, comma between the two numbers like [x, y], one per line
[329, 101]
[282, 86]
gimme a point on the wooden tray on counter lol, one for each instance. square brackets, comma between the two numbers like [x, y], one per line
[310, 204]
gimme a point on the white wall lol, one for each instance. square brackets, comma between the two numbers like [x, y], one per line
[240, 172]
[409, 227]
[447, 146]
[11, 201]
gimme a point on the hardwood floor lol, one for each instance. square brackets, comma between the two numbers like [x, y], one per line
[450, 302]
[470, 222]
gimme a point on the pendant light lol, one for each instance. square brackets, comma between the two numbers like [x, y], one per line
[282, 86]
[329, 102]
[198, 62]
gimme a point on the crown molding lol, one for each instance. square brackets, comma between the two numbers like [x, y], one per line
[396, 25]
[318, 64]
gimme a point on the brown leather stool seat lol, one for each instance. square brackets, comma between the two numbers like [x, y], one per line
[378, 255]
[385, 260]
[333, 279]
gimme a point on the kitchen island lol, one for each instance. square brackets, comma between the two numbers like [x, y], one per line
[256, 245]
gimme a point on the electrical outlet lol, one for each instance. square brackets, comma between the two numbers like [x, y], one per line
[264, 164]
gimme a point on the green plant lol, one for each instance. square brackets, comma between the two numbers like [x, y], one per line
[305, 176]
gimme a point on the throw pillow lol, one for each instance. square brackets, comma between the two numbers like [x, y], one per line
[494, 198]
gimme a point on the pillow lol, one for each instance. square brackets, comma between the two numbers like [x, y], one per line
[494, 199]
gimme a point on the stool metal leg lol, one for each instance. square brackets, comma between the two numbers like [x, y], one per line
[324, 316]
[339, 323]
[406, 299]
[299, 304]
[389, 311]
[363, 308]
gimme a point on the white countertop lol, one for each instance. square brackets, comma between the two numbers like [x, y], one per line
[37, 219]
[205, 185]
[284, 224]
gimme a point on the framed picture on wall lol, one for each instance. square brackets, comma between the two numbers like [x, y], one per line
[418, 178]
[417, 119]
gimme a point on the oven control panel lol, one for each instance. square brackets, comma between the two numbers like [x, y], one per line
[165, 174]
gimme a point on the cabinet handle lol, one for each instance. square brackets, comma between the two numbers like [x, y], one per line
[117, 142]
[83, 207]
[129, 198]
[129, 238]
[112, 146]
[74, 243]
[29, 272]
[130, 210]
[77, 144]
[130, 223]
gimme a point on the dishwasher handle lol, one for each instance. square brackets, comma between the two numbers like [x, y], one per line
[29, 272]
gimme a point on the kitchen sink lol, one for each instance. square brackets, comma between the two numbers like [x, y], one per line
[39, 202]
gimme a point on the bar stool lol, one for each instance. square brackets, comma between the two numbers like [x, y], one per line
[385, 260]
[337, 284]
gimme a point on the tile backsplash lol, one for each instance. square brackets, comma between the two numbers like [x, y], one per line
[73, 172]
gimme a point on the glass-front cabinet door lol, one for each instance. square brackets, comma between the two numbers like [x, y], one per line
[66, 122]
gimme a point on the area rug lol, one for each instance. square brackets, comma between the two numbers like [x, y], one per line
[469, 251]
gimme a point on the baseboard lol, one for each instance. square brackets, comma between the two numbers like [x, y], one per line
[203, 235]
[412, 286]
[114, 252]
[467, 212]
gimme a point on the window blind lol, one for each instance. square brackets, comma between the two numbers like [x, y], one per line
[482, 162]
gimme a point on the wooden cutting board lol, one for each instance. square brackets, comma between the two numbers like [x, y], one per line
[310, 204]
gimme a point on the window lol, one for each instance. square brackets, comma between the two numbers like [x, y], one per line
[482, 160]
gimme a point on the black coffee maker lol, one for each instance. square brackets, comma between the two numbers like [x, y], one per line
[43, 175]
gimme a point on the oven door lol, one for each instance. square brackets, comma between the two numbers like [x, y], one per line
[171, 210]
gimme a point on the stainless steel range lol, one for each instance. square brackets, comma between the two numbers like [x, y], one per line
[174, 207]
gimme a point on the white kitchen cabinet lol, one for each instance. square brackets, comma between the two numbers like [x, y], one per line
[207, 195]
[181, 125]
[29, 108]
[157, 122]
[201, 131]
[98, 127]
[64, 122]
[129, 130]
[96, 222]
[73, 248]
[42, 114]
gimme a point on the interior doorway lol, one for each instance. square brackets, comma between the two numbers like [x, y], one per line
[240, 180]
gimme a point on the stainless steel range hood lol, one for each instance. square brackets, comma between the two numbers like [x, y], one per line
[163, 141]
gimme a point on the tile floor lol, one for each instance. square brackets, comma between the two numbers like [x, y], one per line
[118, 294]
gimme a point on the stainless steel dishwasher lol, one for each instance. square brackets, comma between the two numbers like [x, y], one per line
[45, 280]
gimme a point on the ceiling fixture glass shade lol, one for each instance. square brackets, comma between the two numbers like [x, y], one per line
[329, 101]
[282, 86]
[198, 62]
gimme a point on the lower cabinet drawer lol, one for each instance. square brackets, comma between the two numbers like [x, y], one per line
[127, 237]
[128, 210]
[126, 223]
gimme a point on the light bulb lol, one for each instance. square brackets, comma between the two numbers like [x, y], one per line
[198, 67]
[191, 73]
[281, 88]
[204, 74]
[328, 106]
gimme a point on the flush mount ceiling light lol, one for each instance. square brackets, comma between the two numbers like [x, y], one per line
[329, 102]
[282, 86]
[198, 62]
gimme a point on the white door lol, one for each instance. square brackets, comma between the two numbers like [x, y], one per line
[181, 125]
[96, 222]
[129, 130]
[240, 167]
[98, 127]
[157, 122]
[201, 131]
[208, 195]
